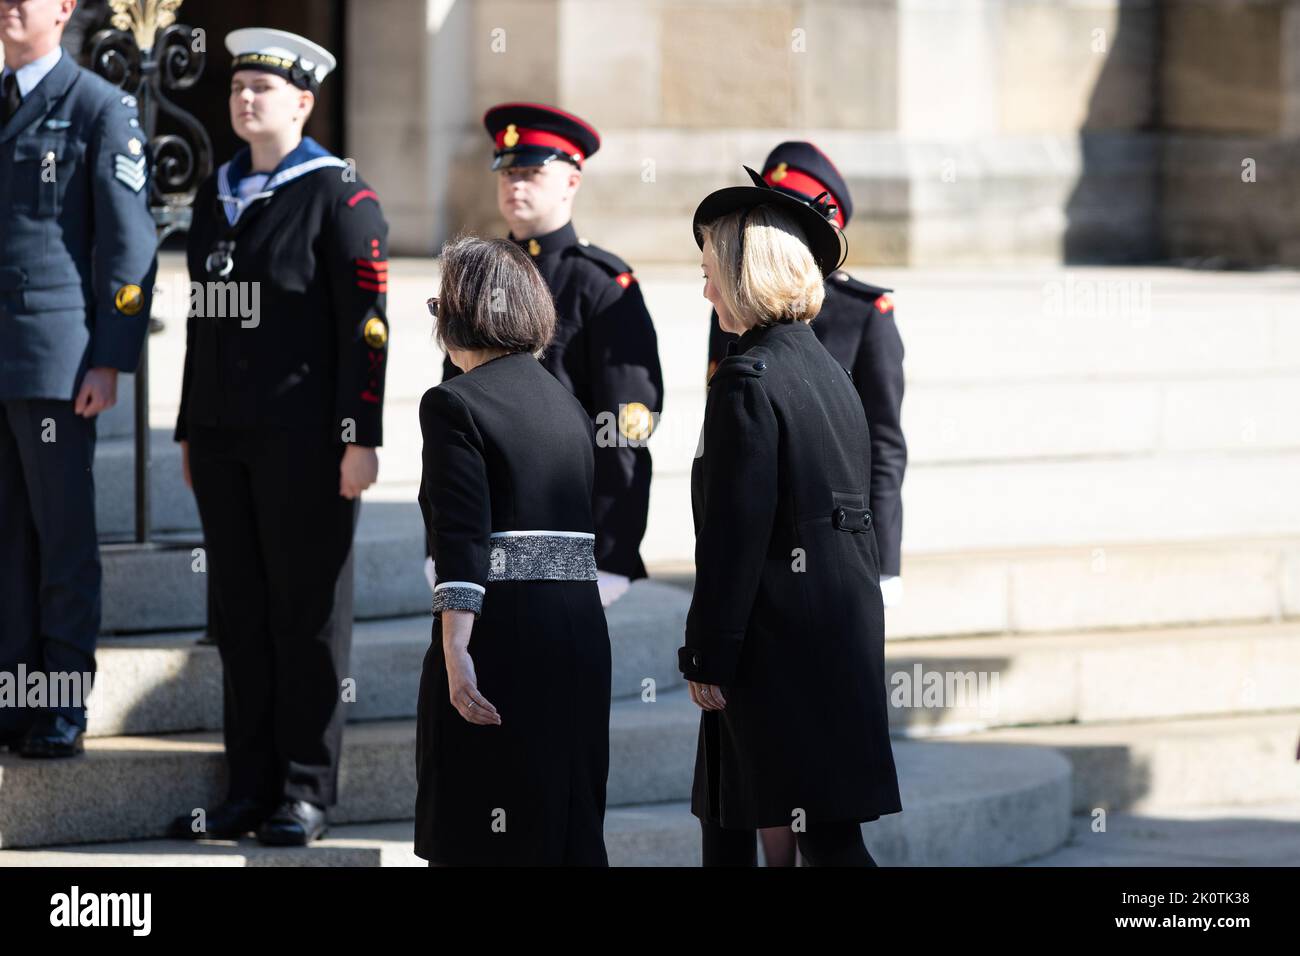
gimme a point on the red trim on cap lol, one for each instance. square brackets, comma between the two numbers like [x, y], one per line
[537, 137]
[801, 182]
[544, 107]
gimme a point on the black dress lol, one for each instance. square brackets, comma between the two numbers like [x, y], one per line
[506, 496]
[787, 615]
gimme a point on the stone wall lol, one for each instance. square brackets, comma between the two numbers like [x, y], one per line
[971, 131]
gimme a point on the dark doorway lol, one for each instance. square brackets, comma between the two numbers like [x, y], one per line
[318, 20]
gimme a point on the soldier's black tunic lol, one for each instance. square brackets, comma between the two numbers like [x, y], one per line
[508, 455]
[268, 403]
[787, 614]
[856, 324]
[606, 353]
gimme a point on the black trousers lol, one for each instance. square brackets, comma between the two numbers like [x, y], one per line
[822, 844]
[49, 553]
[279, 541]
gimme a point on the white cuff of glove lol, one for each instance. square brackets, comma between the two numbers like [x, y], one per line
[612, 586]
[891, 590]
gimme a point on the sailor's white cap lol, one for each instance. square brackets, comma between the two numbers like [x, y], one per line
[296, 58]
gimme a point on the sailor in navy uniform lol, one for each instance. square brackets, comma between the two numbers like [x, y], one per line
[280, 415]
[77, 267]
[856, 324]
[605, 350]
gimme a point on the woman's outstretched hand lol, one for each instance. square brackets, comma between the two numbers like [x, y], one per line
[462, 682]
[463, 686]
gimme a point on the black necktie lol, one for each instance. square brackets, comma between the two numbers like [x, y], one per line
[13, 98]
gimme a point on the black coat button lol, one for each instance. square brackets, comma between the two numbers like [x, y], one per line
[840, 516]
[695, 660]
[243, 364]
[760, 365]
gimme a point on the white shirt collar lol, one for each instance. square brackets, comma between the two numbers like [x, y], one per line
[30, 76]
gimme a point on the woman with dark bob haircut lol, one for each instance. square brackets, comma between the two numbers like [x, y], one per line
[512, 738]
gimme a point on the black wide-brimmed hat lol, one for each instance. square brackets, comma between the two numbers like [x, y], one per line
[816, 217]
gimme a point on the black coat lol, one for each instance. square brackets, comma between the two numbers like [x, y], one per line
[508, 449]
[856, 324]
[787, 614]
[605, 352]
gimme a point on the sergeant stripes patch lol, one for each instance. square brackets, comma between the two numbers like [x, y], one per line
[131, 173]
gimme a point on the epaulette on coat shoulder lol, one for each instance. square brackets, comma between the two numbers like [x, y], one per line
[619, 270]
[865, 290]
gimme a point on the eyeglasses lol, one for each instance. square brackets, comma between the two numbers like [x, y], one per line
[433, 306]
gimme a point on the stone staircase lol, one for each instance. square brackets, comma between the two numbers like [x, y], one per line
[1102, 577]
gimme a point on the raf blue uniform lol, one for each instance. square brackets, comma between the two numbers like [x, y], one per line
[77, 262]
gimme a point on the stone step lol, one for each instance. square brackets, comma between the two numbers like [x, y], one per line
[127, 788]
[1103, 502]
[1086, 587]
[962, 806]
[1158, 764]
[1262, 834]
[948, 686]
[167, 683]
[171, 504]
[157, 589]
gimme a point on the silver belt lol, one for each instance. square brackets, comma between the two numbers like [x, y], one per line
[524, 556]
[542, 556]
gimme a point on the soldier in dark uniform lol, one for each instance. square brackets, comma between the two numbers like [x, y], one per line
[281, 413]
[76, 276]
[856, 324]
[604, 351]
[784, 646]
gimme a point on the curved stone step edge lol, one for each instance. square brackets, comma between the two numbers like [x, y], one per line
[981, 826]
[1159, 764]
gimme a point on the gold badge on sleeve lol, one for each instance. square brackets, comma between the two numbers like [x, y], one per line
[376, 333]
[635, 421]
[129, 299]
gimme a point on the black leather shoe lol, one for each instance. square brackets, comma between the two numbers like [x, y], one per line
[226, 821]
[294, 823]
[52, 735]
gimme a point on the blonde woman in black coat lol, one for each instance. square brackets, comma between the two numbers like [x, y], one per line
[784, 644]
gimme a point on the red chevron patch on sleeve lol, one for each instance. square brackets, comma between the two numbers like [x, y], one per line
[363, 194]
[372, 274]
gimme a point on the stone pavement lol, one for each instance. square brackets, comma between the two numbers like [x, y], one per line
[1252, 835]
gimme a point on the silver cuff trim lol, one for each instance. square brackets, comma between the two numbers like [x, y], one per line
[458, 596]
[542, 556]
